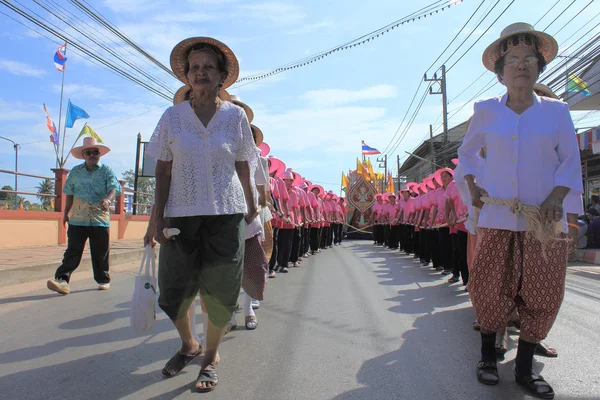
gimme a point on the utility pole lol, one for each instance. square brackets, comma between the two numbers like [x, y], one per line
[384, 166]
[431, 148]
[442, 91]
[16, 147]
[398, 170]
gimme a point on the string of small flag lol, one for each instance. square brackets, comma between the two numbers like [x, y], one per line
[349, 45]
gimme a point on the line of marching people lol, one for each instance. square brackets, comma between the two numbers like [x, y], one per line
[428, 220]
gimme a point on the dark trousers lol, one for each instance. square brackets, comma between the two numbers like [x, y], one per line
[314, 239]
[273, 260]
[305, 240]
[284, 247]
[379, 231]
[400, 234]
[99, 250]
[386, 235]
[417, 243]
[325, 231]
[393, 237]
[445, 246]
[434, 248]
[460, 256]
[408, 232]
[295, 253]
[425, 254]
[330, 235]
[339, 232]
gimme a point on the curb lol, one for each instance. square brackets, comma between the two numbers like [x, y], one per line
[34, 272]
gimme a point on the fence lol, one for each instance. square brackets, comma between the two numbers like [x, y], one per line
[34, 228]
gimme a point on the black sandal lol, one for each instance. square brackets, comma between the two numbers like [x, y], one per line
[487, 373]
[179, 361]
[207, 375]
[536, 385]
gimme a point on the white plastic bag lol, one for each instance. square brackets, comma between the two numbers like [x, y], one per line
[143, 302]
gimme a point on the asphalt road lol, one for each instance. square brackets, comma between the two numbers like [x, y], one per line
[354, 322]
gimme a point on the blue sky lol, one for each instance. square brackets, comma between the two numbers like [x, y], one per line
[314, 117]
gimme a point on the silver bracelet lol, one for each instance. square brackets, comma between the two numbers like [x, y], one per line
[556, 203]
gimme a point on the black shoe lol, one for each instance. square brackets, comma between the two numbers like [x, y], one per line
[487, 373]
[536, 385]
[283, 270]
[446, 272]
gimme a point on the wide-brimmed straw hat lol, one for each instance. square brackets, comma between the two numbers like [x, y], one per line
[265, 149]
[89, 143]
[540, 87]
[181, 51]
[184, 93]
[238, 102]
[276, 166]
[546, 44]
[259, 135]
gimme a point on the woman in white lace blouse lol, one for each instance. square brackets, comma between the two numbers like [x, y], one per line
[204, 149]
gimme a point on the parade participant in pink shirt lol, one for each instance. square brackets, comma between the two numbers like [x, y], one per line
[413, 219]
[403, 214]
[443, 177]
[425, 233]
[341, 210]
[392, 222]
[456, 214]
[276, 168]
[434, 241]
[316, 194]
[376, 217]
[309, 218]
[327, 238]
[290, 222]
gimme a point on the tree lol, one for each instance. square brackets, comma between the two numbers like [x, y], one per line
[45, 187]
[8, 197]
[145, 185]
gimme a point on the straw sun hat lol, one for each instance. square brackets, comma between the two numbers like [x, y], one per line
[89, 143]
[180, 53]
[546, 44]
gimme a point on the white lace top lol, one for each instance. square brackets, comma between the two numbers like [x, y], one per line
[203, 177]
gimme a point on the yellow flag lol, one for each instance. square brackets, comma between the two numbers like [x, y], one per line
[345, 182]
[88, 131]
[360, 170]
[390, 187]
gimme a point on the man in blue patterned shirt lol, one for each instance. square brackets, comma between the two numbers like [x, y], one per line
[91, 188]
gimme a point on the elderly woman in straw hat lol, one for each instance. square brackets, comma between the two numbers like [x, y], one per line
[532, 160]
[204, 188]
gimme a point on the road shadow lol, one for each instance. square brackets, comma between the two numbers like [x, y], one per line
[433, 362]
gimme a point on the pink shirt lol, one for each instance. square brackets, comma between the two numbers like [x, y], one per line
[440, 195]
[292, 206]
[377, 211]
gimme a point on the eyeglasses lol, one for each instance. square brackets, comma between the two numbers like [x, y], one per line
[528, 61]
[91, 152]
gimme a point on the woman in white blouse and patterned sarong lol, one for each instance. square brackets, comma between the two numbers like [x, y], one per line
[532, 155]
[204, 188]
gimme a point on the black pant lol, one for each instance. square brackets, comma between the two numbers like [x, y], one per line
[99, 249]
[338, 232]
[295, 253]
[379, 232]
[393, 237]
[445, 246]
[407, 233]
[314, 239]
[305, 240]
[330, 235]
[460, 256]
[434, 248]
[417, 243]
[386, 235]
[273, 259]
[425, 254]
[284, 247]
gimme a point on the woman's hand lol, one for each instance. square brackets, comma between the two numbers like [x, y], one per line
[476, 194]
[551, 209]
[252, 214]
